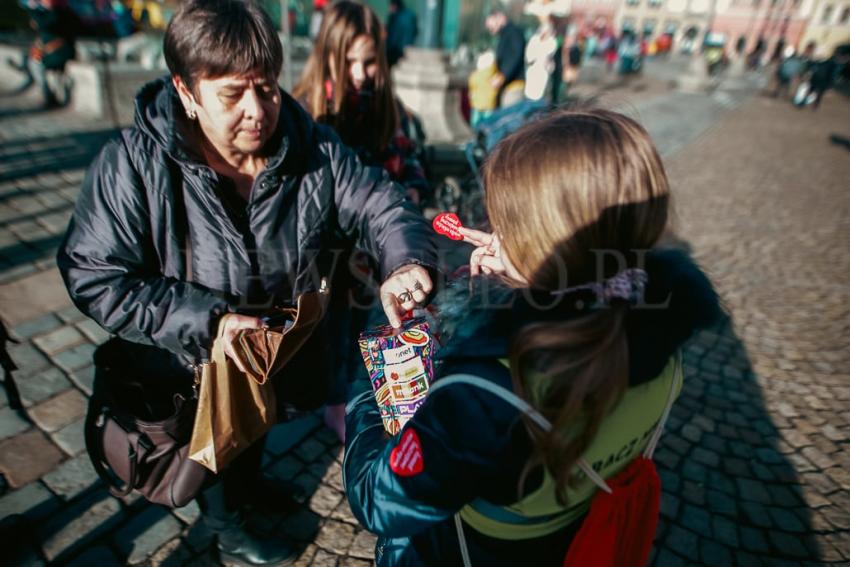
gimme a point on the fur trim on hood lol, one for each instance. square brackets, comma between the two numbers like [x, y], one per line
[478, 318]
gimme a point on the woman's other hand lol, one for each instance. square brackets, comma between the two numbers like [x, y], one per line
[230, 326]
[406, 288]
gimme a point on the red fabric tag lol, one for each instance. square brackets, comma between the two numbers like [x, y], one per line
[406, 458]
[447, 224]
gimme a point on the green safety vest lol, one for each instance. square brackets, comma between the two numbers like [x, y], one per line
[622, 436]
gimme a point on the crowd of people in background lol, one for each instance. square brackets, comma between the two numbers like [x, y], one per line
[543, 64]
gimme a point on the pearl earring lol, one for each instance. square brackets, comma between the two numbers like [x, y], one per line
[191, 114]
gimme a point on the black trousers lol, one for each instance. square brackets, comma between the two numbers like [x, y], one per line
[221, 503]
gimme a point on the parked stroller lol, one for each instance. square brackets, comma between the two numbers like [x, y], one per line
[465, 196]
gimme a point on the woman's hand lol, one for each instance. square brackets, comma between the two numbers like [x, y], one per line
[406, 287]
[229, 328]
[487, 257]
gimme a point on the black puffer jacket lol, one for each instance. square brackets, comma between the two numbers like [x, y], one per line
[122, 259]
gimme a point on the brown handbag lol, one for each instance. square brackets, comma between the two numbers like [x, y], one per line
[137, 435]
[138, 428]
[140, 417]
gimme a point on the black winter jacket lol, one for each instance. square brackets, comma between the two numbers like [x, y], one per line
[122, 258]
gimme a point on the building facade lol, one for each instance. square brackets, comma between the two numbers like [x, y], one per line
[686, 21]
[828, 26]
[773, 24]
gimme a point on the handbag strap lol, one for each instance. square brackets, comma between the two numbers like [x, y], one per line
[540, 420]
[138, 448]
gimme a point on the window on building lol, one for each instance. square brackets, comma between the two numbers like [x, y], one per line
[628, 24]
[648, 27]
[827, 14]
[655, 3]
[845, 15]
[671, 27]
[632, 2]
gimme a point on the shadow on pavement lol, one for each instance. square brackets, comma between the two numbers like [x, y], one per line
[27, 157]
[16, 112]
[94, 528]
[731, 488]
[24, 253]
[839, 140]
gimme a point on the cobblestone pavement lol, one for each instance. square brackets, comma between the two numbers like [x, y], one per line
[756, 461]
[756, 458]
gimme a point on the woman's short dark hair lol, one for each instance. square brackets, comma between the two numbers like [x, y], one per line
[213, 38]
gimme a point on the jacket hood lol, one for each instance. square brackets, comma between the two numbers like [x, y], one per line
[159, 116]
[479, 318]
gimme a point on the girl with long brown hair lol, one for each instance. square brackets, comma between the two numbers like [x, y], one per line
[347, 85]
[576, 315]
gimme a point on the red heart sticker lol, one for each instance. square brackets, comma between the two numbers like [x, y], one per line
[406, 458]
[448, 224]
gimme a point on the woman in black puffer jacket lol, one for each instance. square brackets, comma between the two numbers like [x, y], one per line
[222, 159]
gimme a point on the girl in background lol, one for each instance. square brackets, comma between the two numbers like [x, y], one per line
[347, 85]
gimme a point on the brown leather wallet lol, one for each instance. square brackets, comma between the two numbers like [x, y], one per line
[264, 352]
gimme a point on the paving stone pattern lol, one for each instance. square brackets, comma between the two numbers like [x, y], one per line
[755, 461]
[756, 456]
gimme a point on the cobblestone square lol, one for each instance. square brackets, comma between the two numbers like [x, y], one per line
[755, 462]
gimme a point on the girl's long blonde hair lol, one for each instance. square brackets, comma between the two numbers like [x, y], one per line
[342, 23]
[576, 197]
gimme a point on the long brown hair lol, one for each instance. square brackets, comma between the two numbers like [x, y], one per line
[342, 23]
[566, 193]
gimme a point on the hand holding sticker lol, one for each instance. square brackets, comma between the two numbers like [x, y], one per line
[448, 225]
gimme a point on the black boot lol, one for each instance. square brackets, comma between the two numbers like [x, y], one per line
[237, 546]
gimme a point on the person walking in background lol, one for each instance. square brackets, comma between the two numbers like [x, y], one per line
[609, 48]
[787, 72]
[510, 53]
[483, 96]
[55, 26]
[591, 42]
[629, 54]
[540, 58]
[347, 84]
[824, 73]
[574, 59]
[316, 18]
[224, 161]
[402, 30]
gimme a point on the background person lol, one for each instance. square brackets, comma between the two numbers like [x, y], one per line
[510, 50]
[55, 26]
[540, 56]
[583, 353]
[402, 30]
[222, 158]
[823, 74]
[483, 96]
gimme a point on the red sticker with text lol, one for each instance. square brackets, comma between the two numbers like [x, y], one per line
[406, 458]
[448, 224]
